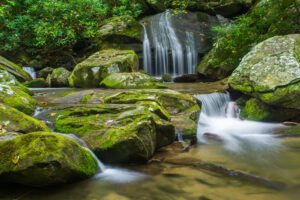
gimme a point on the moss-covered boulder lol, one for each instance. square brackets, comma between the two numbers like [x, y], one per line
[256, 110]
[14, 69]
[43, 73]
[42, 159]
[36, 83]
[117, 133]
[16, 98]
[183, 108]
[271, 72]
[133, 80]
[94, 69]
[12, 120]
[58, 78]
[266, 19]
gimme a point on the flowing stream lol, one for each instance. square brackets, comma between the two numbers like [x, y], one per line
[219, 120]
[235, 159]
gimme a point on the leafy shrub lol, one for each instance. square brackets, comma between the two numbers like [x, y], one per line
[267, 19]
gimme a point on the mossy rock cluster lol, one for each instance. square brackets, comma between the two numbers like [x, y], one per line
[94, 69]
[36, 83]
[133, 80]
[182, 109]
[117, 133]
[42, 159]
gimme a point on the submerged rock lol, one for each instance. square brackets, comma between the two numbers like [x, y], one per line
[42, 159]
[93, 70]
[117, 133]
[58, 78]
[12, 120]
[14, 69]
[271, 72]
[16, 98]
[133, 80]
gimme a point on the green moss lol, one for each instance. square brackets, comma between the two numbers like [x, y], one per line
[16, 121]
[14, 69]
[266, 19]
[256, 110]
[43, 158]
[292, 131]
[287, 96]
[133, 80]
[116, 133]
[93, 70]
[36, 83]
[59, 78]
[16, 98]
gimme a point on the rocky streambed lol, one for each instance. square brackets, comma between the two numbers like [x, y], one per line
[203, 171]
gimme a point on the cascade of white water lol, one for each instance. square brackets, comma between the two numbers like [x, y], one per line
[191, 53]
[146, 52]
[108, 173]
[171, 55]
[219, 119]
[31, 71]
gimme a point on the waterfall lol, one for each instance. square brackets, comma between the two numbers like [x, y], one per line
[31, 71]
[83, 144]
[219, 120]
[191, 53]
[171, 55]
[146, 51]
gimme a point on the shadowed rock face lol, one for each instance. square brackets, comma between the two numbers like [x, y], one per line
[271, 72]
[43, 159]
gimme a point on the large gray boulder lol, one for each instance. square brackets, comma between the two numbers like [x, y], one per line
[271, 72]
